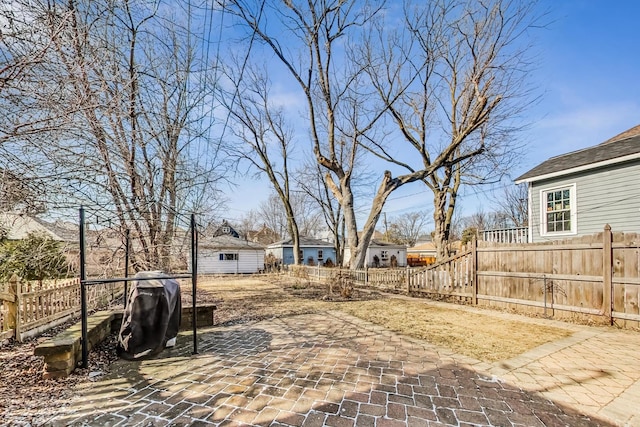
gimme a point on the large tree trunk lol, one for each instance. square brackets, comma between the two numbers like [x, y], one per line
[445, 193]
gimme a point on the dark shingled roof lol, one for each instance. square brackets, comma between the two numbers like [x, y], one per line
[624, 144]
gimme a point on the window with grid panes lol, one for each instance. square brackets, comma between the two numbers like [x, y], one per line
[558, 210]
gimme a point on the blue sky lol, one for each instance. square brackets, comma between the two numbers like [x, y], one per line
[588, 78]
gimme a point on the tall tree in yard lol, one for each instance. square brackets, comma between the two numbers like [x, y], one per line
[266, 140]
[451, 78]
[134, 142]
[306, 38]
[466, 62]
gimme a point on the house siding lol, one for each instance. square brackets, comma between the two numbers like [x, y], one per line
[309, 253]
[286, 254]
[609, 195]
[399, 252]
[249, 261]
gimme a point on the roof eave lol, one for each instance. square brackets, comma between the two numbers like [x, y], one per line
[578, 169]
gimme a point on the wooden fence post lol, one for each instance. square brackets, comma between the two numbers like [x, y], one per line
[408, 280]
[474, 271]
[607, 273]
[366, 274]
[14, 306]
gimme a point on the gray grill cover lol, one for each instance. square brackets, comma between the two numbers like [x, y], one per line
[151, 317]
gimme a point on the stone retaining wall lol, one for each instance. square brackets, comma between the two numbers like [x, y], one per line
[63, 352]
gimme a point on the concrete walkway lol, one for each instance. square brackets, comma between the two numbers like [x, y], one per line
[336, 370]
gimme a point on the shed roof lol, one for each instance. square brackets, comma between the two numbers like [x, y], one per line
[381, 244]
[229, 242]
[622, 147]
[305, 242]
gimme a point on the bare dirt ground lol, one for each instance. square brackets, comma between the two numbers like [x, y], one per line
[25, 395]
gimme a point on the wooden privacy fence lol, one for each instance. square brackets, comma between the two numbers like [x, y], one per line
[594, 278]
[28, 308]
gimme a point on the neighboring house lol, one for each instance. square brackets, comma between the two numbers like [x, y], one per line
[264, 235]
[382, 254]
[228, 254]
[225, 229]
[576, 194]
[18, 226]
[67, 231]
[421, 254]
[312, 251]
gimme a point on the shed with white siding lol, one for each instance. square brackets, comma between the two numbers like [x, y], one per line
[381, 254]
[229, 255]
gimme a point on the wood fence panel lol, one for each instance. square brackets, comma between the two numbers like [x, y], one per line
[28, 307]
[542, 276]
[563, 279]
[626, 278]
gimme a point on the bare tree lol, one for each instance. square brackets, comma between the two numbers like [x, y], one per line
[514, 204]
[26, 35]
[247, 223]
[20, 194]
[134, 142]
[267, 140]
[272, 214]
[482, 220]
[407, 228]
[451, 80]
[454, 80]
[306, 40]
[310, 179]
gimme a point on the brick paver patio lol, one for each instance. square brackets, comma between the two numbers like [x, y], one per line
[333, 369]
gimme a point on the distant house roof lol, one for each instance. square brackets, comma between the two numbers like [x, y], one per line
[67, 231]
[19, 226]
[620, 148]
[380, 244]
[305, 242]
[228, 242]
[423, 247]
[225, 229]
[265, 235]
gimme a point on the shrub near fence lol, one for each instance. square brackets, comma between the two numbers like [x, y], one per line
[28, 308]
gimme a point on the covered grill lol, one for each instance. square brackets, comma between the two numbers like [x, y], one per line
[152, 316]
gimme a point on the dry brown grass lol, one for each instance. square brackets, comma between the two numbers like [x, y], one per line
[482, 336]
[485, 336]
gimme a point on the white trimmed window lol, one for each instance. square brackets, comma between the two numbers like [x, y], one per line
[558, 211]
[320, 255]
[228, 257]
[384, 255]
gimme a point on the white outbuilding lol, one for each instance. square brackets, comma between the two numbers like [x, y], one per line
[227, 254]
[382, 254]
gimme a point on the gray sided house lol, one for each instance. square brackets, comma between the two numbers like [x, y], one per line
[382, 254]
[313, 251]
[227, 254]
[576, 194]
